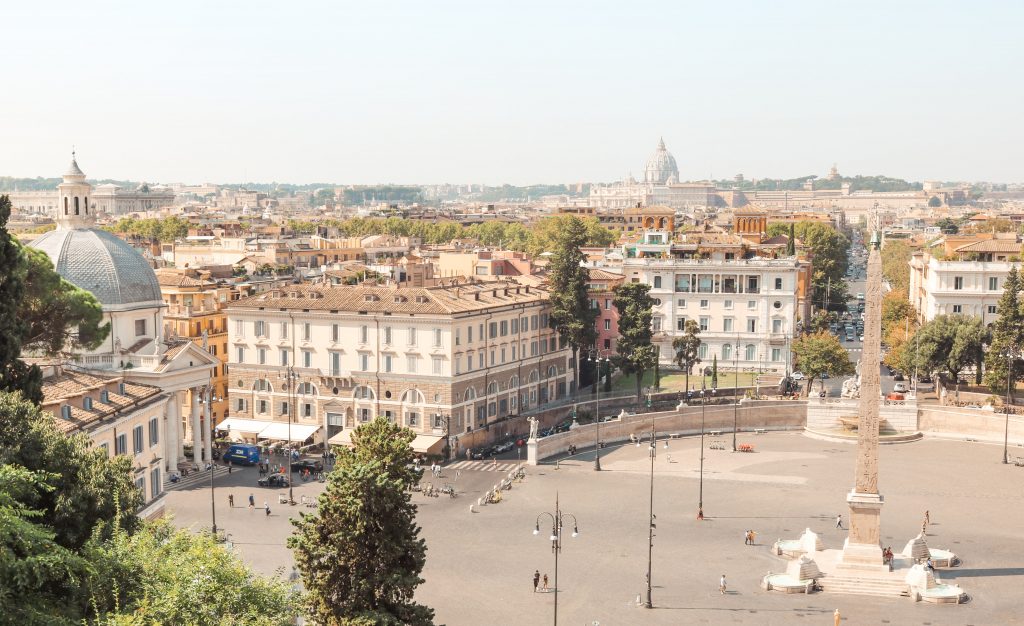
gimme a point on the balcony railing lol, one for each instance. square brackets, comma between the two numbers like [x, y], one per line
[188, 311]
[117, 362]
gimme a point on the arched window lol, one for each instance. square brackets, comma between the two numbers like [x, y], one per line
[534, 376]
[263, 385]
[751, 354]
[727, 352]
[470, 394]
[552, 371]
[362, 392]
[65, 205]
[76, 205]
[492, 388]
[513, 382]
[412, 396]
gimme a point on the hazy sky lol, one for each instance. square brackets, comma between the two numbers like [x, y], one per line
[518, 92]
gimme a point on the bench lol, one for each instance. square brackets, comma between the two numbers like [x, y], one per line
[760, 431]
[715, 433]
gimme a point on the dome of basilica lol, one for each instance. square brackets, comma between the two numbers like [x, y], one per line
[102, 263]
[661, 166]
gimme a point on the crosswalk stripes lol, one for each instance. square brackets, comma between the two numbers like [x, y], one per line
[196, 478]
[481, 466]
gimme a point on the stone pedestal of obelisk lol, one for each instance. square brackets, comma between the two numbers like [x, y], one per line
[862, 549]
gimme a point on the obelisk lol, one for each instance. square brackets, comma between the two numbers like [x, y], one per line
[862, 549]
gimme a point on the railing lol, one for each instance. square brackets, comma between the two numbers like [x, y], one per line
[113, 362]
[704, 262]
[178, 309]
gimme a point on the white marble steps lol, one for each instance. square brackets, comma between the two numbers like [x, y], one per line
[864, 586]
[200, 478]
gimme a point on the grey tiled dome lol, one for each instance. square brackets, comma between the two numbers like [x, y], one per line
[661, 166]
[100, 262]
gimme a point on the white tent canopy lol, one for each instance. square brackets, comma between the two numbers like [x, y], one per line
[279, 431]
[243, 425]
[427, 444]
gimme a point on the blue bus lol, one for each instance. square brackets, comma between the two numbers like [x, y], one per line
[242, 454]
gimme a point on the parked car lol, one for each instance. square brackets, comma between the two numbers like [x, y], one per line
[798, 375]
[274, 480]
[898, 376]
[899, 388]
[926, 379]
[312, 465]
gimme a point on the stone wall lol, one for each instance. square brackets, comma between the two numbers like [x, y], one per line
[825, 414]
[766, 414]
[971, 424]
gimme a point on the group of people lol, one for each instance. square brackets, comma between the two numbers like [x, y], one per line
[572, 449]
[540, 583]
[748, 537]
[267, 468]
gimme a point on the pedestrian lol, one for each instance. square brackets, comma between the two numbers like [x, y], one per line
[231, 500]
[494, 461]
[545, 582]
[721, 585]
[229, 467]
[536, 580]
[753, 537]
[266, 507]
[839, 521]
[836, 617]
[927, 518]
[746, 538]
[252, 502]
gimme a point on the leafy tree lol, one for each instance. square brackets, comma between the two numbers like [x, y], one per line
[934, 202]
[34, 569]
[948, 226]
[635, 355]
[58, 315]
[361, 555]
[571, 313]
[1007, 338]
[91, 493]
[791, 241]
[161, 575]
[714, 371]
[829, 252]
[687, 347]
[15, 375]
[820, 353]
[952, 343]
[897, 313]
[896, 264]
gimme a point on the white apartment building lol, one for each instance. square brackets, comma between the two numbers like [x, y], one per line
[746, 308]
[961, 287]
[441, 360]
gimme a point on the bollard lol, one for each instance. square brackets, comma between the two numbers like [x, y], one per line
[471, 509]
[556, 464]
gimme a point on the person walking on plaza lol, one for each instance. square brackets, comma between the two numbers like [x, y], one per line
[231, 500]
[536, 580]
[746, 538]
[927, 518]
[545, 582]
[721, 585]
[252, 502]
[753, 536]
[839, 521]
[266, 507]
[836, 617]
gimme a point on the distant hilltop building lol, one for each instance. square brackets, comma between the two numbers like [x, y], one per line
[660, 186]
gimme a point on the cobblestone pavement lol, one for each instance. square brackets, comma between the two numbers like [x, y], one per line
[479, 565]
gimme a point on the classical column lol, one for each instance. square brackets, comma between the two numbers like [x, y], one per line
[179, 424]
[863, 549]
[171, 438]
[197, 430]
[208, 424]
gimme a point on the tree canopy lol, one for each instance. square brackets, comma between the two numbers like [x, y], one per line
[687, 347]
[820, 353]
[164, 230]
[15, 375]
[635, 355]
[360, 554]
[896, 264]
[951, 343]
[1007, 337]
[571, 313]
[829, 251]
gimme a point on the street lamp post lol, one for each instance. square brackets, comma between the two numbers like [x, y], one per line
[291, 378]
[1006, 427]
[597, 412]
[557, 519]
[209, 417]
[735, 393]
[700, 495]
[650, 522]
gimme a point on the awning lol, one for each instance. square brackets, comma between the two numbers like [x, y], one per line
[278, 431]
[243, 425]
[344, 438]
[427, 444]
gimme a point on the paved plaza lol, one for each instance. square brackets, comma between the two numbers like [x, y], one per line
[479, 565]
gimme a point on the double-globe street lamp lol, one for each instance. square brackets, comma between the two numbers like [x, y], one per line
[601, 362]
[1012, 354]
[210, 398]
[649, 603]
[557, 521]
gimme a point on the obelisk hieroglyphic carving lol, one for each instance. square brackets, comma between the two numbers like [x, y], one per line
[863, 547]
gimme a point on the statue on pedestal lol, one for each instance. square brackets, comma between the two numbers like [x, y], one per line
[534, 425]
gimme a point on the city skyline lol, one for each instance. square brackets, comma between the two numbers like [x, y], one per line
[462, 93]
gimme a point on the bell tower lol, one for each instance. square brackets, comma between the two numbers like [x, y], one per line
[73, 210]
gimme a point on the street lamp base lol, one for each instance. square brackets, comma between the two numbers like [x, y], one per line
[700, 513]
[597, 464]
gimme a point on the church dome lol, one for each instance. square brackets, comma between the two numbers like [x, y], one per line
[101, 263]
[661, 166]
